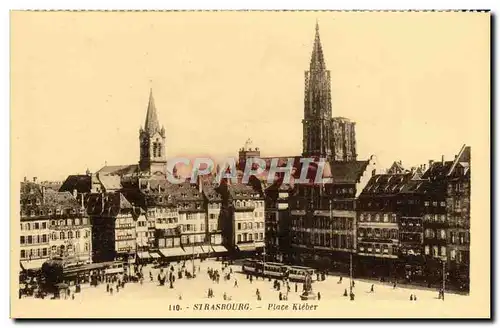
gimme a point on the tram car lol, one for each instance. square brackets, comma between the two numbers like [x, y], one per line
[274, 270]
[251, 266]
[298, 273]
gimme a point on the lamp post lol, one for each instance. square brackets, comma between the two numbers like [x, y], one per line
[443, 260]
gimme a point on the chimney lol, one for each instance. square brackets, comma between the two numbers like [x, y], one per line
[25, 179]
[442, 159]
[424, 166]
[34, 179]
[430, 163]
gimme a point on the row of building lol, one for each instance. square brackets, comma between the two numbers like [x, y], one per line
[384, 223]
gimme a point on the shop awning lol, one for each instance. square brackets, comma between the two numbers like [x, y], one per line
[33, 264]
[170, 252]
[246, 247]
[154, 255]
[194, 250]
[206, 249]
[219, 248]
[143, 255]
[260, 244]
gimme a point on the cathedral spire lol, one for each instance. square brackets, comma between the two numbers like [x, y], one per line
[317, 60]
[152, 124]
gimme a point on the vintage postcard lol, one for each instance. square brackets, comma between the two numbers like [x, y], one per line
[250, 164]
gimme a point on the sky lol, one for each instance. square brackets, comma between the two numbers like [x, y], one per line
[416, 84]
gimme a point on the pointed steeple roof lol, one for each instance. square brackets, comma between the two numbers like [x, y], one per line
[152, 124]
[317, 60]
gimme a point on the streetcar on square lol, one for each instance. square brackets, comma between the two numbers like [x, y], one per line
[277, 270]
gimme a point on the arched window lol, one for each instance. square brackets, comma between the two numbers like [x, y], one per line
[61, 235]
[27, 226]
[70, 234]
[54, 236]
[77, 234]
[68, 222]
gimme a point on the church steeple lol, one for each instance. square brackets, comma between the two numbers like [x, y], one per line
[317, 136]
[151, 125]
[153, 158]
[317, 59]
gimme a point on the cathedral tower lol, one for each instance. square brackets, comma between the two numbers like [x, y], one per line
[317, 127]
[153, 158]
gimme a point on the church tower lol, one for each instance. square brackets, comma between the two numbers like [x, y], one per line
[317, 122]
[153, 158]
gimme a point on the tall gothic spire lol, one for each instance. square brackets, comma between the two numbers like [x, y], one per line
[317, 60]
[152, 124]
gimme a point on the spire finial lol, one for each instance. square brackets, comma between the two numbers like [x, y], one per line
[317, 60]
[317, 26]
[151, 124]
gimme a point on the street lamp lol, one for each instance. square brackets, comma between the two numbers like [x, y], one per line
[443, 260]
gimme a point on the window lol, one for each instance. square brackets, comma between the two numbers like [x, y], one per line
[426, 203]
[250, 225]
[368, 217]
[44, 251]
[377, 217]
[443, 204]
[453, 254]
[22, 240]
[30, 240]
[386, 217]
[244, 237]
[434, 204]
[361, 217]
[244, 225]
[261, 236]
[435, 251]
[23, 254]
[54, 236]
[239, 238]
[427, 250]
[44, 238]
[32, 213]
[256, 236]
[61, 235]
[239, 226]
[86, 247]
[70, 234]
[443, 234]
[443, 251]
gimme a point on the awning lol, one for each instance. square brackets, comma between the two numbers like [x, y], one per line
[206, 249]
[219, 248]
[194, 250]
[33, 264]
[260, 244]
[143, 255]
[170, 252]
[246, 247]
[154, 255]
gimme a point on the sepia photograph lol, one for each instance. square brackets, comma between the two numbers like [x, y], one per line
[250, 164]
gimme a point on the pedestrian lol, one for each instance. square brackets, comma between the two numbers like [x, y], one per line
[235, 283]
[411, 297]
[371, 289]
[224, 296]
[414, 297]
[281, 296]
[251, 279]
[319, 296]
[107, 288]
[111, 290]
[345, 292]
[394, 286]
[353, 283]
[340, 280]
[296, 287]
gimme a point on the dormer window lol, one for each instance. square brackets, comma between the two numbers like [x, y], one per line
[73, 211]
[58, 211]
[32, 213]
[38, 201]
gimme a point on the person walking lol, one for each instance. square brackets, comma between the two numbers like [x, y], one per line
[235, 283]
[319, 296]
[411, 297]
[371, 289]
[296, 287]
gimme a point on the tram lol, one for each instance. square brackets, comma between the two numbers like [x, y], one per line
[298, 273]
[277, 270]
